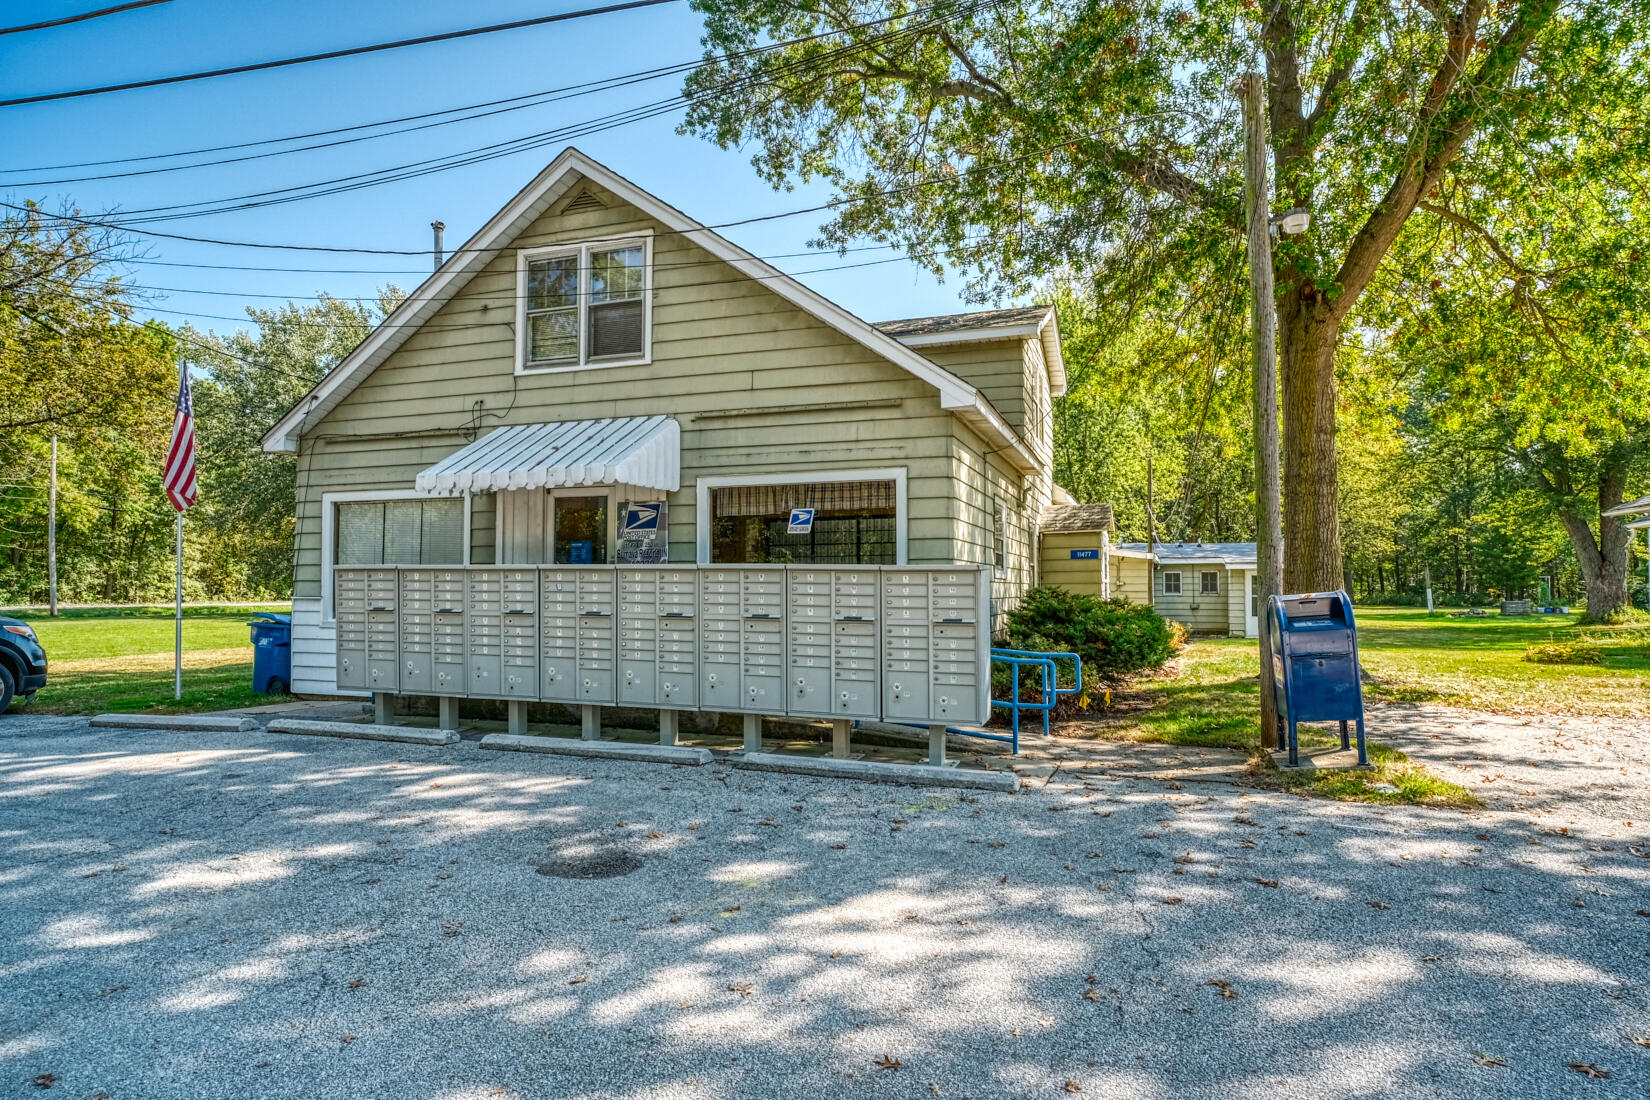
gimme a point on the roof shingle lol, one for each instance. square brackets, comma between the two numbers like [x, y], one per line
[1059, 518]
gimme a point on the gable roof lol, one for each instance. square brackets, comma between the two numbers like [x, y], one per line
[500, 231]
[1198, 553]
[1073, 518]
[983, 325]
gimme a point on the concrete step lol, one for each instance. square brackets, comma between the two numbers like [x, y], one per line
[230, 723]
[364, 731]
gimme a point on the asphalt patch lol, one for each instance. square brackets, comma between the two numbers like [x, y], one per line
[611, 863]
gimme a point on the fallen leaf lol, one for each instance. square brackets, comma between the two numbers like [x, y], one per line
[655, 835]
[44, 1080]
[1226, 988]
[1172, 900]
[450, 928]
[839, 847]
[1486, 1060]
[1378, 905]
[372, 882]
[1590, 1071]
[1641, 1040]
[744, 989]
[1268, 882]
[1432, 958]
[1073, 1086]
[1091, 995]
[358, 983]
[347, 1039]
[886, 1062]
[837, 954]
[675, 918]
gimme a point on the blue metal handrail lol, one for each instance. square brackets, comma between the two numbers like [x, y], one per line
[1076, 687]
[1014, 704]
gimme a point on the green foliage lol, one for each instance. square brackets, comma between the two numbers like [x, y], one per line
[1580, 651]
[1112, 637]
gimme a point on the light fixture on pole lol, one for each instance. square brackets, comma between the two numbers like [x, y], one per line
[1292, 222]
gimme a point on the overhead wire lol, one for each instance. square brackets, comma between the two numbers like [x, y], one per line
[82, 17]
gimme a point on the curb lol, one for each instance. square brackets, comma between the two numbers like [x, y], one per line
[611, 750]
[921, 775]
[231, 724]
[363, 731]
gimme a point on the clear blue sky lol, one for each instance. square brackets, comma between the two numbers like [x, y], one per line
[190, 35]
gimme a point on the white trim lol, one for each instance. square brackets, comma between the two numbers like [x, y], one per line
[896, 474]
[328, 521]
[582, 249]
[537, 197]
[1179, 581]
[613, 493]
[970, 336]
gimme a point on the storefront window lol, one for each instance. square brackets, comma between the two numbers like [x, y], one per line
[854, 523]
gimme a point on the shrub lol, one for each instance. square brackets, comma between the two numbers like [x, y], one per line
[1579, 652]
[1113, 637]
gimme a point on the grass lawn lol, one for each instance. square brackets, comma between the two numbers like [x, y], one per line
[120, 659]
[1474, 663]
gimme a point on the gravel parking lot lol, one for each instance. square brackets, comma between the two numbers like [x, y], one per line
[251, 915]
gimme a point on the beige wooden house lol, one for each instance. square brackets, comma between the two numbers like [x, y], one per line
[596, 377]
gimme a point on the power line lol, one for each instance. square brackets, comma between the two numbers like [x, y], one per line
[83, 16]
[352, 51]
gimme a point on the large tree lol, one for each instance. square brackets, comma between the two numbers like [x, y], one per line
[1019, 137]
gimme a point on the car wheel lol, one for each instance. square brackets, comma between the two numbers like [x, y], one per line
[7, 688]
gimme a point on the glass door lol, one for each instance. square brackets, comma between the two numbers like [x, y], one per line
[580, 530]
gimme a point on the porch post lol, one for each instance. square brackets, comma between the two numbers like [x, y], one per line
[590, 722]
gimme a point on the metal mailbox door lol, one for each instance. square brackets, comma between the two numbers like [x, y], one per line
[447, 648]
[678, 639]
[762, 641]
[558, 636]
[597, 655]
[906, 636]
[638, 637]
[383, 630]
[519, 649]
[486, 633]
[350, 613]
[720, 628]
[956, 672]
[417, 632]
[808, 657]
[855, 683]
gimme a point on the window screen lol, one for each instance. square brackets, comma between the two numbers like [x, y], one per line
[855, 523]
[616, 277]
[1210, 583]
[400, 532]
[587, 304]
[1171, 584]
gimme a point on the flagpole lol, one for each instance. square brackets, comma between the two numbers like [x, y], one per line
[177, 632]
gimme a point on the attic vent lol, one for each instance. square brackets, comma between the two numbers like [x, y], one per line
[582, 202]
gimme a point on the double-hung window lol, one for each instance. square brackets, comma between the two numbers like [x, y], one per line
[1171, 584]
[585, 305]
[1209, 583]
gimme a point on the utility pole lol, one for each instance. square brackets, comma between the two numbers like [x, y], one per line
[1251, 89]
[51, 531]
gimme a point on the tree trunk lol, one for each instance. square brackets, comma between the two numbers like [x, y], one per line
[1604, 560]
[1311, 512]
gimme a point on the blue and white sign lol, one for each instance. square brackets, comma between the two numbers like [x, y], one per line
[1085, 554]
[802, 521]
[641, 521]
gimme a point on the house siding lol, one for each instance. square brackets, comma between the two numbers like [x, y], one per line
[1199, 613]
[1083, 575]
[1131, 579]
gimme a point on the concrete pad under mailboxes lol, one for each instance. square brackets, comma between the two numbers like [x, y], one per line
[231, 723]
[922, 775]
[607, 750]
[365, 731]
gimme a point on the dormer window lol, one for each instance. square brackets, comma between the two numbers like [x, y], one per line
[584, 305]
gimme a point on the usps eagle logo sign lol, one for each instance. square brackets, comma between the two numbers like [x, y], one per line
[641, 521]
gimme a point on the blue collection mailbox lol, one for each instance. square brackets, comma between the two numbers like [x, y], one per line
[1312, 641]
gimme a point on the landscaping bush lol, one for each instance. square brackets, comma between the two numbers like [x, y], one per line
[1579, 652]
[1113, 637]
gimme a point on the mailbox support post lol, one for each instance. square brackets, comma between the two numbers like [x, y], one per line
[515, 712]
[753, 733]
[840, 738]
[449, 712]
[936, 745]
[383, 708]
[590, 722]
[670, 726]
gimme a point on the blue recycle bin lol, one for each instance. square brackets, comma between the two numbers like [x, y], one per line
[271, 653]
[1312, 642]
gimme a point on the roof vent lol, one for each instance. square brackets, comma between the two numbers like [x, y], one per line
[582, 202]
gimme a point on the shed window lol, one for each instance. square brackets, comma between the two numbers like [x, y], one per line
[585, 304]
[1171, 584]
[400, 532]
[1210, 583]
[855, 523]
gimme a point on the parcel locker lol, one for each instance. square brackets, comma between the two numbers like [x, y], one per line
[639, 609]
[383, 630]
[485, 615]
[907, 630]
[349, 610]
[558, 635]
[719, 632]
[417, 632]
[519, 634]
[597, 601]
[447, 630]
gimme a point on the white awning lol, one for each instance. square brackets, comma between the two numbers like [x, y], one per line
[644, 451]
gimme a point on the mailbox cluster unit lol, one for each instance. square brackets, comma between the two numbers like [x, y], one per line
[897, 643]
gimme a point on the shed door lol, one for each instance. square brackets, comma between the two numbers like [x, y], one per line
[1251, 607]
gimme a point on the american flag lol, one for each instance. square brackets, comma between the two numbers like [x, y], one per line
[180, 457]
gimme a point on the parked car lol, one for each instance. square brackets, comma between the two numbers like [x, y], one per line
[22, 661]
